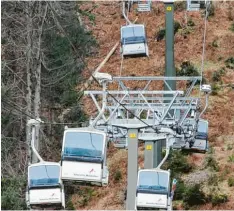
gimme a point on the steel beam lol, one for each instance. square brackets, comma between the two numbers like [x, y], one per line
[149, 155]
[157, 78]
[170, 67]
[154, 107]
[159, 98]
[132, 168]
[133, 92]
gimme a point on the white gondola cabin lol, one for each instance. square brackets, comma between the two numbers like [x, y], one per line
[84, 156]
[197, 5]
[45, 188]
[193, 5]
[133, 40]
[153, 189]
[120, 138]
[144, 6]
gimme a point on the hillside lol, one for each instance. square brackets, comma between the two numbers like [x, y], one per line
[219, 47]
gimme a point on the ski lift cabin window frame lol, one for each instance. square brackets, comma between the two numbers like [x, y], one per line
[37, 165]
[149, 197]
[84, 168]
[103, 151]
[36, 192]
[153, 171]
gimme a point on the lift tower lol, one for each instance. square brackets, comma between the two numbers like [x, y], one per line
[169, 69]
[169, 57]
[170, 66]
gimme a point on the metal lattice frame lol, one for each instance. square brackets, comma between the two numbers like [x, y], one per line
[180, 102]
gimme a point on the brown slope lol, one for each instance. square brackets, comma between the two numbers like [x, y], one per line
[221, 110]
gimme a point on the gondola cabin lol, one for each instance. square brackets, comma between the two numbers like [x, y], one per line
[197, 5]
[193, 5]
[200, 143]
[120, 142]
[45, 188]
[133, 40]
[201, 136]
[153, 189]
[144, 6]
[84, 156]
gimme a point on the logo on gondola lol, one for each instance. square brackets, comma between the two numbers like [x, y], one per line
[52, 194]
[92, 171]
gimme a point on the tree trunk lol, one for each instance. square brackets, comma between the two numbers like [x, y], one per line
[37, 98]
[28, 9]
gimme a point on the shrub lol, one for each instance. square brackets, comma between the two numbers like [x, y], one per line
[213, 179]
[193, 196]
[222, 71]
[231, 158]
[86, 194]
[118, 175]
[84, 201]
[185, 31]
[215, 43]
[75, 115]
[161, 34]
[216, 76]
[70, 189]
[68, 97]
[224, 173]
[177, 26]
[187, 69]
[180, 6]
[180, 189]
[220, 58]
[232, 27]
[90, 192]
[13, 193]
[178, 163]
[190, 22]
[211, 150]
[212, 163]
[230, 63]
[89, 15]
[231, 181]
[218, 199]
[69, 205]
[215, 88]
[229, 147]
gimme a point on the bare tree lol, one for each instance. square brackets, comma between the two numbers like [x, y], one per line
[43, 51]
